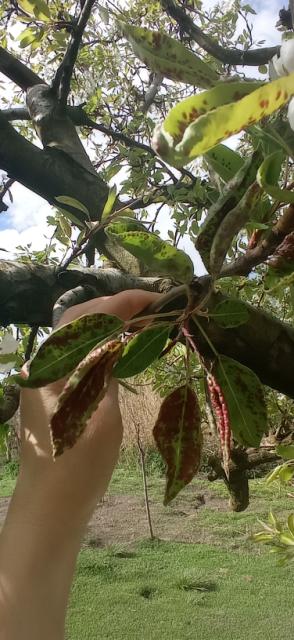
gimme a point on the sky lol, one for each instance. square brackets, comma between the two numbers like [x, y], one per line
[25, 220]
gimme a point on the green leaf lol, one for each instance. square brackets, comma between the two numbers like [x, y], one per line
[243, 393]
[81, 395]
[159, 256]
[67, 346]
[109, 203]
[286, 538]
[286, 451]
[267, 177]
[274, 475]
[178, 436]
[72, 202]
[36, 8]
[141, 351]
[291, 523]
[262, 537]
[224, 161]
[168, 56]
[191, 129]
[230, 313]
[286, 473]
[28, 36]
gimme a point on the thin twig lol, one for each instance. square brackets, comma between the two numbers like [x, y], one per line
[62, 80]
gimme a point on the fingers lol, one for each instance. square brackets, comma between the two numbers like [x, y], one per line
[125, 305]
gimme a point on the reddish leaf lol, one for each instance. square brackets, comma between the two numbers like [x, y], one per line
[221, 413]
[178, 436]
[81, 395]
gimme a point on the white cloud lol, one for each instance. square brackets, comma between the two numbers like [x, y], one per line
[24, 222]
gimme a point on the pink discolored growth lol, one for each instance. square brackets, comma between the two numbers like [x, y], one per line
[221, 413]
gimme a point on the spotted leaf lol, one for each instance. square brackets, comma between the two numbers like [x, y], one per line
[67, 346]
[244, 397]
[193, 127]
[81, 395]
[178, 436]
[169, 57]
[160, 257]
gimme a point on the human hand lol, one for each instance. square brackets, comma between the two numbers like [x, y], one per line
[54, 500]
[80, 476]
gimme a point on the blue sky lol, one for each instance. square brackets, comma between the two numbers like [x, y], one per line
[25, 221]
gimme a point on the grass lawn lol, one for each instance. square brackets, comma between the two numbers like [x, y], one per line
[219, 587]
[224, 588]
[174, 591]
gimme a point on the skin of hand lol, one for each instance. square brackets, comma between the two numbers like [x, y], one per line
[54, 500]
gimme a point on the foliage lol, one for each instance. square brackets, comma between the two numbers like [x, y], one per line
[140, 77]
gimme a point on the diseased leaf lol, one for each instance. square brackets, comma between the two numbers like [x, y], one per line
[267, 177]
[224, 161]
[178, 436]
[222, 418]
[232, 194]
[199, 123]
[243, 393]
[67, 346]
[230, 313]
[168, 56]
[286, 451]
[141, 351]
[81, 395]
[159, 256]
[233, 222]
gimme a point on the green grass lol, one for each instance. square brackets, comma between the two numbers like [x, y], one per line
[8, 475]
[222, 588]
[176, 591]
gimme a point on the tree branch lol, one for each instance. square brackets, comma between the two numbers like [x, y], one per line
[50, 173]
[227, 56]
[62, 80]
[253, 257]
[17, 71]
[264, 344]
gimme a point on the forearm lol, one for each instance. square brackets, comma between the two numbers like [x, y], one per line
[46, 521]
[37, 560]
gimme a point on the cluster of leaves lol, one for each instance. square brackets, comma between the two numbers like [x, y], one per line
[280, 537]
[244, 197]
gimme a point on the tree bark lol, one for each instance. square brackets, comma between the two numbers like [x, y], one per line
[264, 344]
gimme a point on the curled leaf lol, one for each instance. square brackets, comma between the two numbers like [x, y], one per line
[178, 436]
[81, 395]
[191, 130]
[233, 222]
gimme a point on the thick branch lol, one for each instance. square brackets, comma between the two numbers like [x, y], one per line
[265, 345]
[227, 56]
[63, 75]
[49, 173]
[17, 71]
